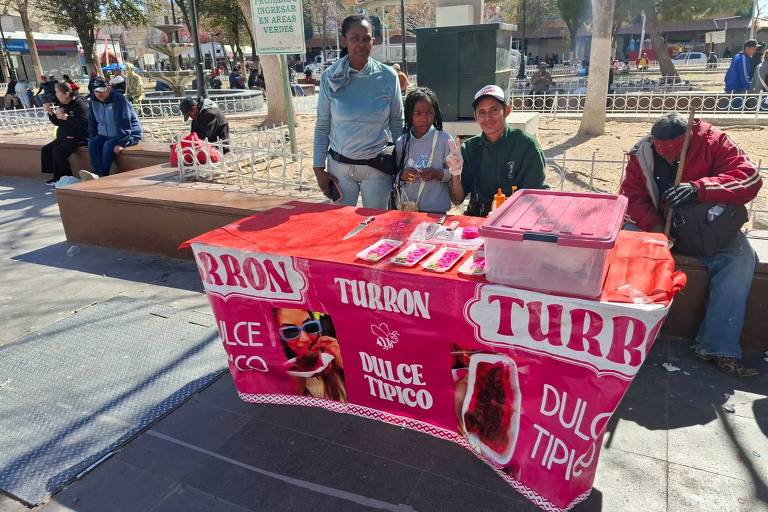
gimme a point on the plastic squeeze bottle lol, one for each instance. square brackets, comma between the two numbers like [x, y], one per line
[498, 199]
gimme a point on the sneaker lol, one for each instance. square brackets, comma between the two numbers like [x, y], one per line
[88, 175]
[51, 182]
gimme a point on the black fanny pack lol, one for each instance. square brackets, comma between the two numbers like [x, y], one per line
[384, 161]
[701, 229]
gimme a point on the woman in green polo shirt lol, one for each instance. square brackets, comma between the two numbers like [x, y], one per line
[500, 157]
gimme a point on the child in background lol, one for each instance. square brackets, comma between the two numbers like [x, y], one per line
[422, 150]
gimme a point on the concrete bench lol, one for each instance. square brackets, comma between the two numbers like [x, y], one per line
[21, 157]
[688, 307]
[139, 211]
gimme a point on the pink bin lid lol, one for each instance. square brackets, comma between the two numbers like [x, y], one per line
[571, 219]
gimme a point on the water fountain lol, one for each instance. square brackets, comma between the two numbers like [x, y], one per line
[177, 79]
[166, 103]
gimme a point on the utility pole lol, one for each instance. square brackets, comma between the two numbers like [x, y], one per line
[642, 34]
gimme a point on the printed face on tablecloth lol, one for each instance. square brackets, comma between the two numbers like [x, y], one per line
[313, 355]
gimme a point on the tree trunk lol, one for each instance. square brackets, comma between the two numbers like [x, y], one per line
[573, 39]
[277, 114]
[24, 14]
[91, 59]
[4, 65]
[658, 43]
[593, 118]
[182, 5]
[272, 68]
[250, 36]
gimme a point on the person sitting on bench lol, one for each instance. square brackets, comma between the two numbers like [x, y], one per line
[112, 127]
[716, 171]
[71, 120]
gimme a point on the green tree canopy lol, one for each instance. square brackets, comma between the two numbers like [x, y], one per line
[574, 13]
[86, 16]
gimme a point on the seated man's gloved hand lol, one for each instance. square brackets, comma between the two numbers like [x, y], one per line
[679, 195]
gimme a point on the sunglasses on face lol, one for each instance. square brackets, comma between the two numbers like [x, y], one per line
[292, 332]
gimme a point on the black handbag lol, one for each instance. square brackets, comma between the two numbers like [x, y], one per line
[701, 229]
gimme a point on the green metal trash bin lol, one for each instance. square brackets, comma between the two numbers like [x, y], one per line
[456, 62]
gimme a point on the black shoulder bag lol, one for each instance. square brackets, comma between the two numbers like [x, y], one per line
[701, 229]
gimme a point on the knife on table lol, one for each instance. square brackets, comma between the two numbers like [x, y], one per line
[359, 227]
[432, 228]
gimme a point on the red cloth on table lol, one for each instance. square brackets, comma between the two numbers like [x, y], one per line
[642, 270]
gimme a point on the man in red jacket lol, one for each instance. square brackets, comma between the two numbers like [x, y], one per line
[716, 171]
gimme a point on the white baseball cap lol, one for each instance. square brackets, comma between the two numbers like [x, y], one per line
[493, 91]
[117, 80]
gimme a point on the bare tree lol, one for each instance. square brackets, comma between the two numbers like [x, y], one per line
[418, 14]
[593, 118]
[326, 17]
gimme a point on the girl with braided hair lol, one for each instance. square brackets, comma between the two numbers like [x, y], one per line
[422, 151]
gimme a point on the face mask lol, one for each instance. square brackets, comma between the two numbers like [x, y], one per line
[669, 149]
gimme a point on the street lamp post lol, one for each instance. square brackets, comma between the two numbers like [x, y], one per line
[201, 89]
[523, 56]
[404, 64]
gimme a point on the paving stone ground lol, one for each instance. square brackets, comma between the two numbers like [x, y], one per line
[670, 447]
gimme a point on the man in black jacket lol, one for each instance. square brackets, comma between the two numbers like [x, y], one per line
[71, 119]
[208, 122]
[48, 90]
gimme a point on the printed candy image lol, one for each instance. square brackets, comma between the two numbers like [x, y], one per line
[488, 402]
[312, 352]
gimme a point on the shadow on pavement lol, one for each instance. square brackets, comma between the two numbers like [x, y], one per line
[118, 264]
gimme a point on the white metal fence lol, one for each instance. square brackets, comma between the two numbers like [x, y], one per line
[653, 66]
[578, 85]
[35, 121]
[264, 164]
[652, 103]
[238, 103]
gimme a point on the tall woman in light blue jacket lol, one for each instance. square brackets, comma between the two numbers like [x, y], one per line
[359, 113]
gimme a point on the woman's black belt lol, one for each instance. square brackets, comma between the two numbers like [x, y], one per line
[344, 160]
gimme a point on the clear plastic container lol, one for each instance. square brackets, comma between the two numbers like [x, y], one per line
[554, 242]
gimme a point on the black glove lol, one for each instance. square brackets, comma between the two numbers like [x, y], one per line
[678, 195]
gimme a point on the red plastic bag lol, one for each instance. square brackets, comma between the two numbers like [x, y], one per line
[190, 147]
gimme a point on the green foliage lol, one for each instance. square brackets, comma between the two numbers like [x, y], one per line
[85, 15]
[681, 10]
[225, 16]
[574, 13]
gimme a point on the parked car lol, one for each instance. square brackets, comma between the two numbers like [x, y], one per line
[691, 59]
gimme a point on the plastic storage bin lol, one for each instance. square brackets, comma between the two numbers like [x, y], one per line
[554, 242]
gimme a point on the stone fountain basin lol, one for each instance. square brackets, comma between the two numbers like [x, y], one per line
[166, 104]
